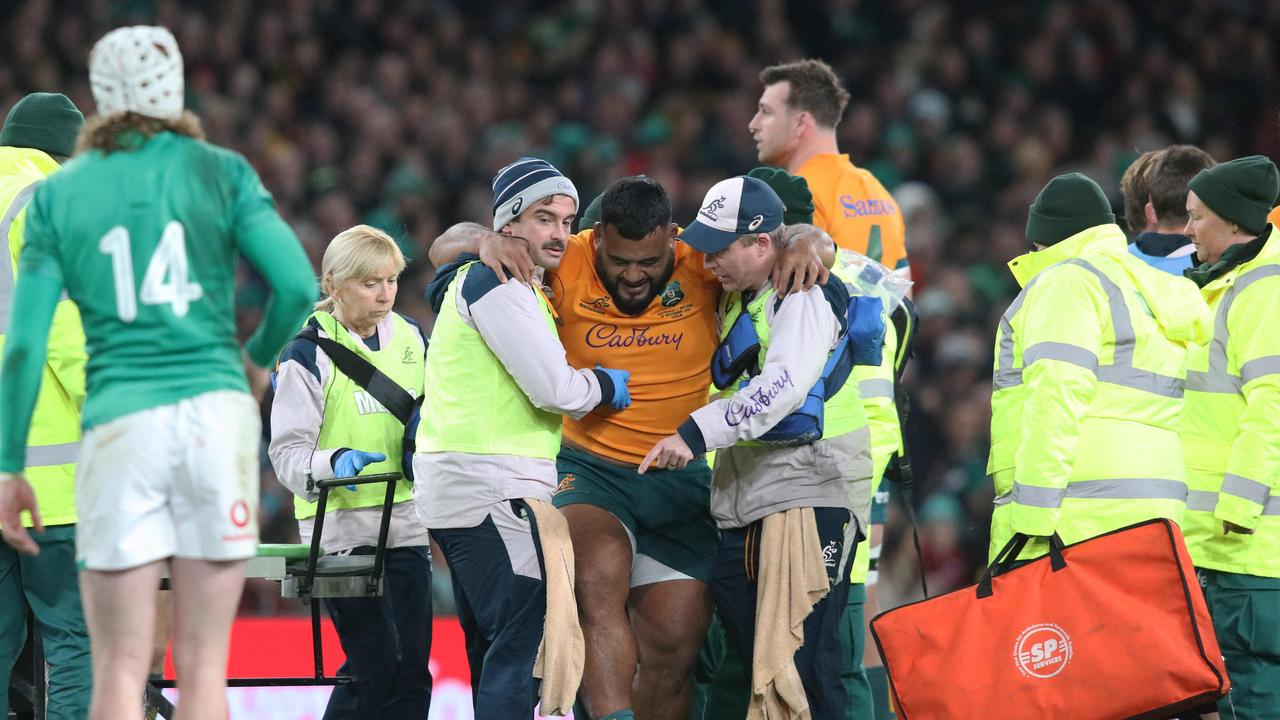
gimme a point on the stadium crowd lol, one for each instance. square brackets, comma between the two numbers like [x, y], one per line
[396, 114]
[1120, 394]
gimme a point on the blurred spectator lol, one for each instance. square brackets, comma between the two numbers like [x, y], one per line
[394, 114]
[945, 564]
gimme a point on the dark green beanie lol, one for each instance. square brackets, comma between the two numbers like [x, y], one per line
[44, 121]
[1069, 204]
[792, 189]
[591, 215]
[1241, 191]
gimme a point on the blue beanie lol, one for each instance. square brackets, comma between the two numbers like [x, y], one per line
[523, 183]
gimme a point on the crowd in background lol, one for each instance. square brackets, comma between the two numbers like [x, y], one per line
[397, 114]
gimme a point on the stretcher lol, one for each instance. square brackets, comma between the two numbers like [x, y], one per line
[305, 572]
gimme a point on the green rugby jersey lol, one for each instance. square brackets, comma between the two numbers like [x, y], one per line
[145, 241]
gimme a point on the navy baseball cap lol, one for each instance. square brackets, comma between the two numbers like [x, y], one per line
[738, 206]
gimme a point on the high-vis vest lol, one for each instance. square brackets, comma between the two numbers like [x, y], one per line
[842, 414]
[1231, 423]
[472, 403]
[875, 386]
[354, 419]
[53, 443]
[1087, 392]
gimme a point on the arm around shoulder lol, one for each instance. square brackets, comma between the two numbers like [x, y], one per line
[460, 239]
[507, 256]
[805, 258]
[813, 239]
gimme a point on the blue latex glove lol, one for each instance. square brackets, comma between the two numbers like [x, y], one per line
[621, 395]
[351, 462]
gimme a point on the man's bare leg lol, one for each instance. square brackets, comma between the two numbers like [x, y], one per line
[160, 641]
[602, 553]
[206, 595]
[670, 622]
[119, 608]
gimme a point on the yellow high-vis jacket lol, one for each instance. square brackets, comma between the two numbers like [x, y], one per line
[1231, 423]
[53, 443]
[1088, 390]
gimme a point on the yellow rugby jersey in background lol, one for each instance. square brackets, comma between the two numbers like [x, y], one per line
[667, 348]
[855, 209]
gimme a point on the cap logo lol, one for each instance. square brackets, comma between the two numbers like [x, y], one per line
[755, 222]
[713, 207]
[563, 185]
[515, 209]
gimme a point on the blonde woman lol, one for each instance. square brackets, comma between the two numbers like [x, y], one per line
[326, 425]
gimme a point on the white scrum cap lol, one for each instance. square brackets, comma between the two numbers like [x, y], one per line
[137, 69]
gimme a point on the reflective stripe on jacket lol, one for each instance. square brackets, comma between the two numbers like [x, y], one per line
[1088, 385]
[875, 386]
[53, 443]
[1231, 426]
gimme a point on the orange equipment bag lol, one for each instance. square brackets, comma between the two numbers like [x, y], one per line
[1112, 627]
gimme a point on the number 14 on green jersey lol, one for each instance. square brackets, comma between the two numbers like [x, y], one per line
[166, 280]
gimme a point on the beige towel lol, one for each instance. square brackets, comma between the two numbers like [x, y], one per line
[792, 579]
[562, 652]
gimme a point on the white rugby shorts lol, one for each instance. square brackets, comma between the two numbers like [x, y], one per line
[175, 480]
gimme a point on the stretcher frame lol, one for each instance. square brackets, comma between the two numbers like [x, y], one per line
[319, 576]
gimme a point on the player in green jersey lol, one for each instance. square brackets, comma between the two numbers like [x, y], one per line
[142, 230]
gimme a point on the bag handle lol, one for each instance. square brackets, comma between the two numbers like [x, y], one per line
[394, 398]
[1009, 555]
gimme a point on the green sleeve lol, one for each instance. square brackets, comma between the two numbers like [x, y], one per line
[35, 297]
[66, 353]
[270, 246]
